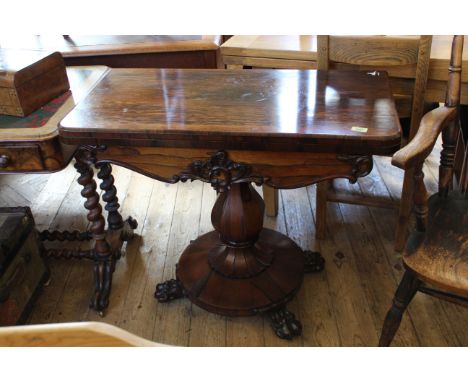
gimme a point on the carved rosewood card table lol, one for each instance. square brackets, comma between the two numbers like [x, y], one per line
[286, 129]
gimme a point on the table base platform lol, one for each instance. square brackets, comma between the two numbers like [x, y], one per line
[241, 268]
[270, 285]
[243, 279]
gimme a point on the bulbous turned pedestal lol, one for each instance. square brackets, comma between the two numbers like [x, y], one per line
[241, 268]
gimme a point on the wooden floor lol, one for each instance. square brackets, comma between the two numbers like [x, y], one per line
[343, 306]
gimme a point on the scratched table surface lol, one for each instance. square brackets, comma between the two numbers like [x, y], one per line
[263, 110]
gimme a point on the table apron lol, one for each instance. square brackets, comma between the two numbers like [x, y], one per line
[276, 169]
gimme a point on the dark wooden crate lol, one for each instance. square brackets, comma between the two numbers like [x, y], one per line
[22, 267]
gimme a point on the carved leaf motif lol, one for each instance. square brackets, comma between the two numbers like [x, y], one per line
[220, 172]
[361, 165]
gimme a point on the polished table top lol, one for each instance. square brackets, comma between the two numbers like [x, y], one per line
[334, 111]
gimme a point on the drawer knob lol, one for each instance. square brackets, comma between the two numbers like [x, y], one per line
[4, 160]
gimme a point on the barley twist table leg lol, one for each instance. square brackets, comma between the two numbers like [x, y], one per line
[104, 260]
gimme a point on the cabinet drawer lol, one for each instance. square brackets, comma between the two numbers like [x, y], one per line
[21, 158]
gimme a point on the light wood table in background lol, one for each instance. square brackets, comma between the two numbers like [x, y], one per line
[173, 51]
[300, 52]
[288, 52]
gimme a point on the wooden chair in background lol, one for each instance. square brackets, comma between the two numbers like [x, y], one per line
[404, 58]
[436, 255]
[70, 334]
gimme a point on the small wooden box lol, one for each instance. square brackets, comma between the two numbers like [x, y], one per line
[29, 80]
[22, 267]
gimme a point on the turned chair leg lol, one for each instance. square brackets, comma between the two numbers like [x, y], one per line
[270, 197]
[321, 209]
[406, 290]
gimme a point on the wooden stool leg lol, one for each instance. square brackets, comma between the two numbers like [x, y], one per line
[270, 196]
[404, 212]
[403, 296]
[321, 208]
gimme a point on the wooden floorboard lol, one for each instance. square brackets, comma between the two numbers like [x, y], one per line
[206, 329]
[313, 300]
[350, 305]
[343, 306]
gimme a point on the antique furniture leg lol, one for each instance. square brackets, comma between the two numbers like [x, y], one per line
[410, 283]
[64, 235]
[270, 197]
[103, 257]
[447, 157]
[169, 290]
[284, 323]
[118, 230]
[114, 219]
[107, 244]
[241, 268]
[314, 262]
[403, 296]
[321, 208]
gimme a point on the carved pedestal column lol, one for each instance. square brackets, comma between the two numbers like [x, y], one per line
[240, 268]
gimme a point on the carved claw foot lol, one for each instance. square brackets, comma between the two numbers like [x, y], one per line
[103, 281]
[169, 290]
[117, 254]
[285, 325]
[129, 225]
[314, 262]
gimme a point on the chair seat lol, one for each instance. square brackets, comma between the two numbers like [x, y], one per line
[440, 256]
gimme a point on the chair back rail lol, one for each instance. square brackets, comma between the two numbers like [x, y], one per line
[401, 56]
